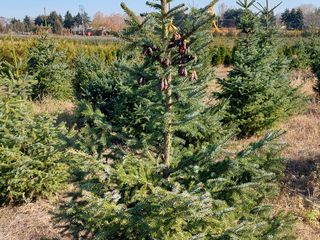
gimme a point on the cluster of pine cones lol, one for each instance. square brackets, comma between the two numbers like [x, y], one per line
[184, 58]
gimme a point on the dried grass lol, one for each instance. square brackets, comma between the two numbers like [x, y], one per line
[32, 221]
[64, 110]
[53, 106]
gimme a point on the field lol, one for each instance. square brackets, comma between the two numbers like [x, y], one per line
[172, 132]
[300, 188]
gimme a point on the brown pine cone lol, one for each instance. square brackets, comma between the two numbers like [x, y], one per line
[141, 81]
[194, 76]
[166, 63]
[182, 71]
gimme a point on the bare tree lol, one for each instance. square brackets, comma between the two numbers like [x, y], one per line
[114, 22]
[222, 9]
[311, 15]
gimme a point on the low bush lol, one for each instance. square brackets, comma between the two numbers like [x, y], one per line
[298, 55]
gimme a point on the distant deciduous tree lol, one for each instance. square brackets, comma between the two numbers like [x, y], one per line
[113, 22]
[98, 20]
[311, 15]
[16, 25]
[2, 24]
[2, 27]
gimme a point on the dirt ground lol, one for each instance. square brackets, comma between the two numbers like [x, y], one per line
[32, 221]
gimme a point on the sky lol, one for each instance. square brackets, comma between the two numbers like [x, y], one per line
[20, 8]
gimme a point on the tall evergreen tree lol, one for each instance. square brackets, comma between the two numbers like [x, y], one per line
[69, 21]
[293, 19]
[175, 187]
[55, 21]
[40, 20]
[258, 88]
[29, 23]
[232, 17]
[82, 19]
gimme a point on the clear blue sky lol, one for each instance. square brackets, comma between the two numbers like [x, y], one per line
[20, 8]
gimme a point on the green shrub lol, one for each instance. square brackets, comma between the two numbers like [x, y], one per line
[49, 67]
[221, 55]
[31, 150]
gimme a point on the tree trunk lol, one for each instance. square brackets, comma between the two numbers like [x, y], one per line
[167, 148]
[168, 134]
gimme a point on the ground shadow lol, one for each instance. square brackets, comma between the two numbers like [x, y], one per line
[302, 176]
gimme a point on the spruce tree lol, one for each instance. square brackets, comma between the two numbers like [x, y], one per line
[316, 68]
[48, 65]
[132, 96]
[32, 152]
[258, 88]
[313, 49]
[181, 186]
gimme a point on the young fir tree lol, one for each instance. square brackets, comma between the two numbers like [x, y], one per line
[49, 67]
[180, 187]
[32, 156]
[313, 49]
[316, 67]
[258, 88]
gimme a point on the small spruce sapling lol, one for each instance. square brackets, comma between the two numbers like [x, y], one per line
[48, 66]
[258, 88]
[313, 49]
[32, 152]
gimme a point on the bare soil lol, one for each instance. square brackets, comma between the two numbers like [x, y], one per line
[32, 221]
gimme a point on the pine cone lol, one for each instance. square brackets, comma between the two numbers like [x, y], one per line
[166, 63]
[141, 81]
[183, 49]
[176, 37]
[175, 41]
[182, 71]
[147, 51]
[194, 76]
